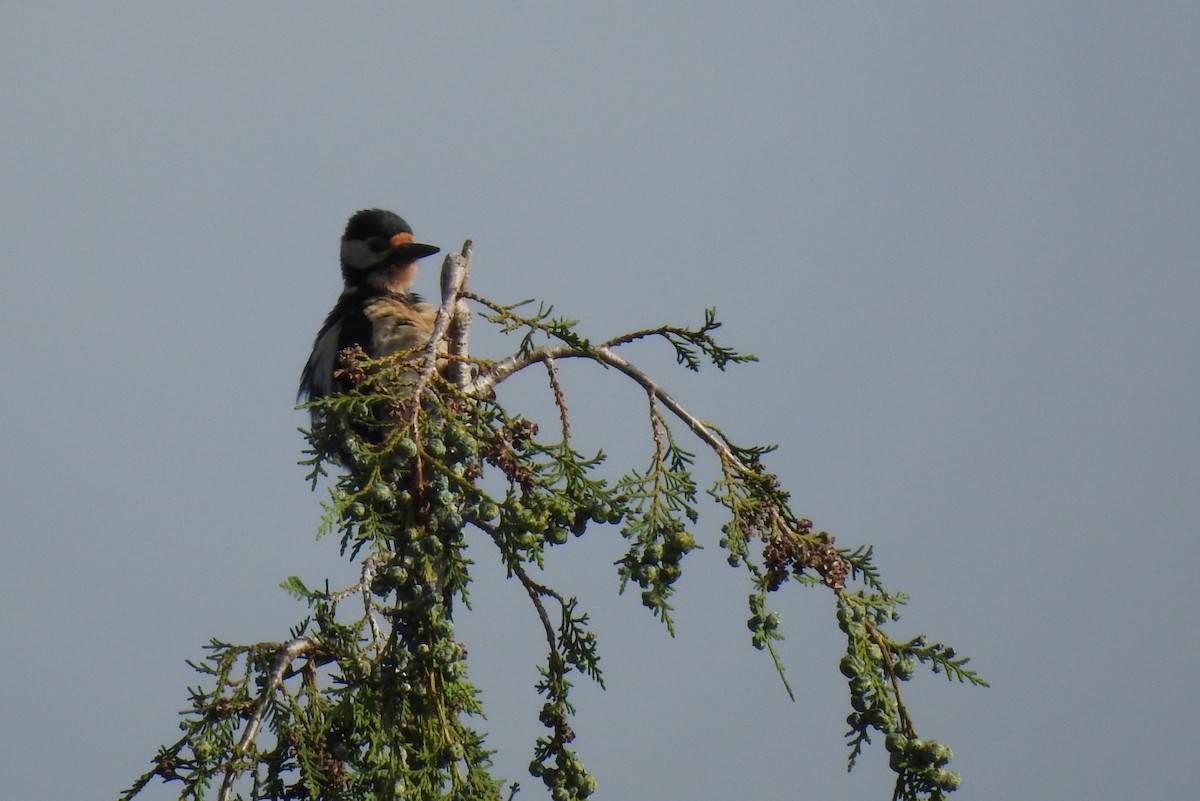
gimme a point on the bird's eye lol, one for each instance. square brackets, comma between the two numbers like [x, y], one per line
[377, 244]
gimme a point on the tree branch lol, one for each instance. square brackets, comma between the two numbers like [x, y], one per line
[458, 371]
[288, 653]
[518, 361]
[450, 316]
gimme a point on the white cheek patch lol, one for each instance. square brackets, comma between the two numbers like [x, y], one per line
[356, 254]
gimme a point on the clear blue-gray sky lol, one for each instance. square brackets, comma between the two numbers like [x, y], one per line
[963, 240]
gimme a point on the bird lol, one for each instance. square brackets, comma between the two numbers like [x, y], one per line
[377, 310]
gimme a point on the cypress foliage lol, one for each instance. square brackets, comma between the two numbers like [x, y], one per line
[368, 698]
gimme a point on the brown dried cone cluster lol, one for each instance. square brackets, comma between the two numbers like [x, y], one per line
[789, 552]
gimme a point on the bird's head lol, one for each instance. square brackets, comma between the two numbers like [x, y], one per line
[378, 250]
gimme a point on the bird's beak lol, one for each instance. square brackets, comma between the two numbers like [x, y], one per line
[395, 254]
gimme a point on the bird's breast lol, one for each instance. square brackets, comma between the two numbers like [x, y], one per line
[397, 326]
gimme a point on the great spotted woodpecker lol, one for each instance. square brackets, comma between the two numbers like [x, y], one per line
[377, 310]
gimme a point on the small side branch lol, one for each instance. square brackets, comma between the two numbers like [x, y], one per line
[370, 566]
[560, 399]
[288, 653]
[603, 353]
[535, 590]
